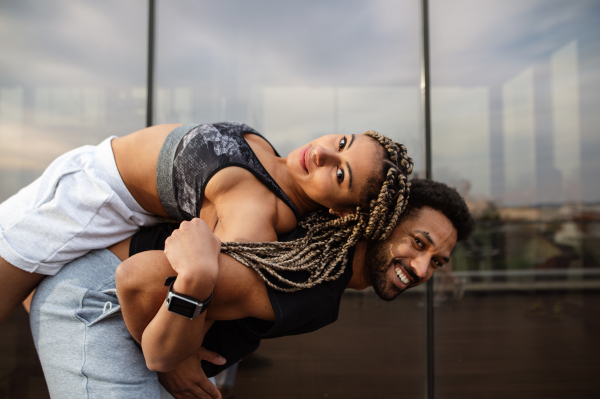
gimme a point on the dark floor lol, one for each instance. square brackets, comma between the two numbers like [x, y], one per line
[487, 346]
[20, 371]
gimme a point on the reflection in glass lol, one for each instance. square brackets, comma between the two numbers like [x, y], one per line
[565, 112]
[463, 112]
[71, 75]
[518, 310]
[353, 67]
[66, 106]
[291, 112]
[519, 139]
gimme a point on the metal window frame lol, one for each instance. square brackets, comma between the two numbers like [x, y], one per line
[426, 123]
[151, 70]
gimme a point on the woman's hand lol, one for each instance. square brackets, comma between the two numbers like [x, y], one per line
[188, 379]
[193, 252]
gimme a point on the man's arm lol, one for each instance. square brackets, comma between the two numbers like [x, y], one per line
[188, 380]
[168, 338]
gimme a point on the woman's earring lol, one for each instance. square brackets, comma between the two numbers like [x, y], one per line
[334, 213]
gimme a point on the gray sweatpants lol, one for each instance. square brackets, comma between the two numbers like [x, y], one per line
[79, 333]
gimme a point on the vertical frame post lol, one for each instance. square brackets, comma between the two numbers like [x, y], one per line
[150, 82]
[426, 114]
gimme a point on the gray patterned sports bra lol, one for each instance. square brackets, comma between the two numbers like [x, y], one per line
[192, 154]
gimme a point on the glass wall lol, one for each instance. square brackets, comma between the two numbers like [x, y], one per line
[293, 71]
[71, 73]
[296, 71]
[515, 128]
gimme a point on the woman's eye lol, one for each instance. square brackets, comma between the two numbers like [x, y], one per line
[340, 175]
[342, 143]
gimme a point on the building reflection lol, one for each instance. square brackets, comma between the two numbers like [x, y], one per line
[523, 299]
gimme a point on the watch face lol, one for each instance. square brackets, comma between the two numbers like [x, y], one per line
[181, 306]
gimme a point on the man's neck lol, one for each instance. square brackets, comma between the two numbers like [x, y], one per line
[360, 280]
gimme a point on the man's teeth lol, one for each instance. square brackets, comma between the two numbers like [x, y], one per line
[402, 277]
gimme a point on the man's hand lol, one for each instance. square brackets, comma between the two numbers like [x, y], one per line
[193, 250]
[188, 379]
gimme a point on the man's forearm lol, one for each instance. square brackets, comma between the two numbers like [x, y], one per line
[170, 338]
[141, 290]
[167, 338]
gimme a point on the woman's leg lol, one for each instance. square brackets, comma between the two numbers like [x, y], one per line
[15, 286]
[83, 344]
[80, 203]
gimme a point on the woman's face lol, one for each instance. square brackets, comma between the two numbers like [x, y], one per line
[333, 170]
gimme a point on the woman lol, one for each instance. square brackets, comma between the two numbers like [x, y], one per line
[324, 251]
[93, 197]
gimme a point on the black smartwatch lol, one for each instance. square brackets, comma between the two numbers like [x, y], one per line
[184, 305]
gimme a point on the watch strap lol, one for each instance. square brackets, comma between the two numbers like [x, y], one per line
[184, 305]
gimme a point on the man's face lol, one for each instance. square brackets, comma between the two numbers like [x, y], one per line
[417, 247]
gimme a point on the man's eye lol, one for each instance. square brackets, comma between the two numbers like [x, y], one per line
[437, 263]
[342, 143]
[340, 175]
[419, 243]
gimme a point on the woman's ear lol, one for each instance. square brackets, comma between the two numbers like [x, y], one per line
[340, 213]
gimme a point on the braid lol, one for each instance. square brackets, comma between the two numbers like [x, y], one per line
[323, 251]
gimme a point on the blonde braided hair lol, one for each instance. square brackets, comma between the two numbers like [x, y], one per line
[323, 251]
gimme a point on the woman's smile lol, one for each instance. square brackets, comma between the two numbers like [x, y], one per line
[304, 158]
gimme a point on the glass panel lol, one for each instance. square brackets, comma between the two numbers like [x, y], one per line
[515, 129]
[292, 71]
[295, 71]
[71, 73]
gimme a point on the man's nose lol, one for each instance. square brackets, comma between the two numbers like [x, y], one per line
[323, 156]
[421, 265]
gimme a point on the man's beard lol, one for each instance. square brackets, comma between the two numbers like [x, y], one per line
[377, 264]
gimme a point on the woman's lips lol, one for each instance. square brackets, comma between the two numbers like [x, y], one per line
[303, 158]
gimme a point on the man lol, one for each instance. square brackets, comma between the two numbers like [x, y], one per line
[243, 310]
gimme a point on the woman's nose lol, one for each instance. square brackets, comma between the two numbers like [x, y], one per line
[323, 155]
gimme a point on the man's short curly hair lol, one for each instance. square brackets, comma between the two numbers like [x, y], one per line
[442, 198]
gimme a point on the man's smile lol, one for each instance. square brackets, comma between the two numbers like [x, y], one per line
[401, 275]
[405, 274]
